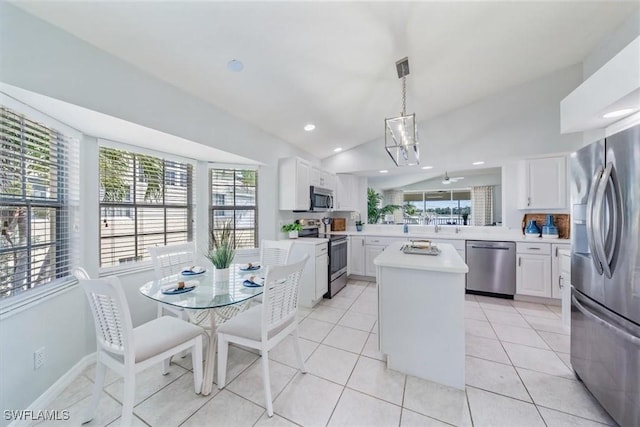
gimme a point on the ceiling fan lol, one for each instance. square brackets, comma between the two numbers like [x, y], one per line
[447, 180]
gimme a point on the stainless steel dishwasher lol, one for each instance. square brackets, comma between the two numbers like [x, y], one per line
[492, 267]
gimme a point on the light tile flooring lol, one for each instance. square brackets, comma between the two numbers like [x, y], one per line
[517, 371]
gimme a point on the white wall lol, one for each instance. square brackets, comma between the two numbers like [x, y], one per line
[43, 59]
[520, 122]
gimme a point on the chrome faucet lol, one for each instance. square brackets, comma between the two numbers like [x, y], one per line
[457, 229]
[436, 227]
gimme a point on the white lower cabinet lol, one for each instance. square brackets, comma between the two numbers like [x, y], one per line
[533, 269]
[533, 275]
[370, 253]
[314, 282]
[356, 255]
[322, 275]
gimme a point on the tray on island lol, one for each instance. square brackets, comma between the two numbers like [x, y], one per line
[416, 250]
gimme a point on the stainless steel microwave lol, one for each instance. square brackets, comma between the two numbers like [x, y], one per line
[321, 199]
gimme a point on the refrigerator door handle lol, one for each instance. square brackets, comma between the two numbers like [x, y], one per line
[599, 233]
[615, 224]
[590, 223]
[613, 328]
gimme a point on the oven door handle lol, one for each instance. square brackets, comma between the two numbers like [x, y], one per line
[338, 243]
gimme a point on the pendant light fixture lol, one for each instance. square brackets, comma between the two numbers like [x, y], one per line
[401, 133]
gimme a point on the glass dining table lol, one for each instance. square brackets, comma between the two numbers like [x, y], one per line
[209, 304]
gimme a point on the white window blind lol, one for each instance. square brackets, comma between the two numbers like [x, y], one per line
[38, 200]
[144, 201]
[234, 200]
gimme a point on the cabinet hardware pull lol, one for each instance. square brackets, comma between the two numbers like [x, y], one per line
[519, 261]
[528, 201]
[535, 249]
[556, 252]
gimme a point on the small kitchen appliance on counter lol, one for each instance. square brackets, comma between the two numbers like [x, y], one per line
[326, 225]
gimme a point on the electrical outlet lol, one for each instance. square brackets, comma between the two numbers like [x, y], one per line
[38, 358]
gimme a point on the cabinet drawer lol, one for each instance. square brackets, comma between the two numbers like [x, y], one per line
[533, 248]
[322, 249]
[382, 241]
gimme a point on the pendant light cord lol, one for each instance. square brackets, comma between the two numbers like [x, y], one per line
[404, 95]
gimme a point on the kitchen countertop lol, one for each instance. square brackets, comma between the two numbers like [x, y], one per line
[448, 261]
[310, 240]
[507, 235]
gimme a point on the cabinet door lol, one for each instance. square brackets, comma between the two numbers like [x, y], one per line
[556, 292]
[302, 186]
[329, 181]
[322, 275]
[371, 252]
[547, 183]
[533, 275]
[356, 256]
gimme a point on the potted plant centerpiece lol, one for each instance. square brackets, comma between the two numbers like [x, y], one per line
[292, 229]
[221, 251]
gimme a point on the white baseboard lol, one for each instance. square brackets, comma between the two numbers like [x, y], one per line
[43, 402]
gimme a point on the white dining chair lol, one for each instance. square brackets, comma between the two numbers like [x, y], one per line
[168, 260]
[275, 252]
[263, 326]
[128, 350]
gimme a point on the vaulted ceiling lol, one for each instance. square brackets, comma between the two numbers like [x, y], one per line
[333, 63]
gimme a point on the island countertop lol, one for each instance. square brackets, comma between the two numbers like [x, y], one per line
[448, 261]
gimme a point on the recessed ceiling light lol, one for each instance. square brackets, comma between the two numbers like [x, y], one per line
[235, 66]
[337, 150]
[427, 167]
[309, 127]
[477, 163]
[618, 113]
[384, 171]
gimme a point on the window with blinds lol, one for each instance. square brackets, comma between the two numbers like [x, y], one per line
[38, 178]
[144, 201]
[234, 200]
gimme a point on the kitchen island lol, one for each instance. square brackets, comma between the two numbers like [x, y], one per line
[421, 313]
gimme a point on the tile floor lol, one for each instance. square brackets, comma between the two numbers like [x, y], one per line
[517, 371]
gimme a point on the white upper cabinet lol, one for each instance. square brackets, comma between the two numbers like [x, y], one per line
[347, 193]
[543, 183]
[294, 184]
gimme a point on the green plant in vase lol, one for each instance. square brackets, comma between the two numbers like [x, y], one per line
[221, 251]
[293, 229]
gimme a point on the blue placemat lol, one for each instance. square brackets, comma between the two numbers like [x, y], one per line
[250, 284]
[192, 273]
[176, 291]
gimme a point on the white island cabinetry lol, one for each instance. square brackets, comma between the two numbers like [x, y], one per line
[421, 313]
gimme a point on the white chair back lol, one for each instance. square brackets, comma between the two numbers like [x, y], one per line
[81, 274]
[280, 295]
[111, 315]
[171, 259]
[275, 252]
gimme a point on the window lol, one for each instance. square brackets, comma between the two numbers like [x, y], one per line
[438, 207]
[143, 202]
[35, 188]
[234, 200]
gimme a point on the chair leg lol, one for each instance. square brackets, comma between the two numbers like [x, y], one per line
[129, 397]
[97, 391]
[267, 382]
[160, 310]
[223, 349]
[296, 345]
[165, 365]
[196, 361]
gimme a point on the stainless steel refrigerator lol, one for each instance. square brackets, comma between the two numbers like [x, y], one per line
[605, 272]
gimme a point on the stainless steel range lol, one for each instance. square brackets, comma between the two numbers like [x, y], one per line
[337, 254]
